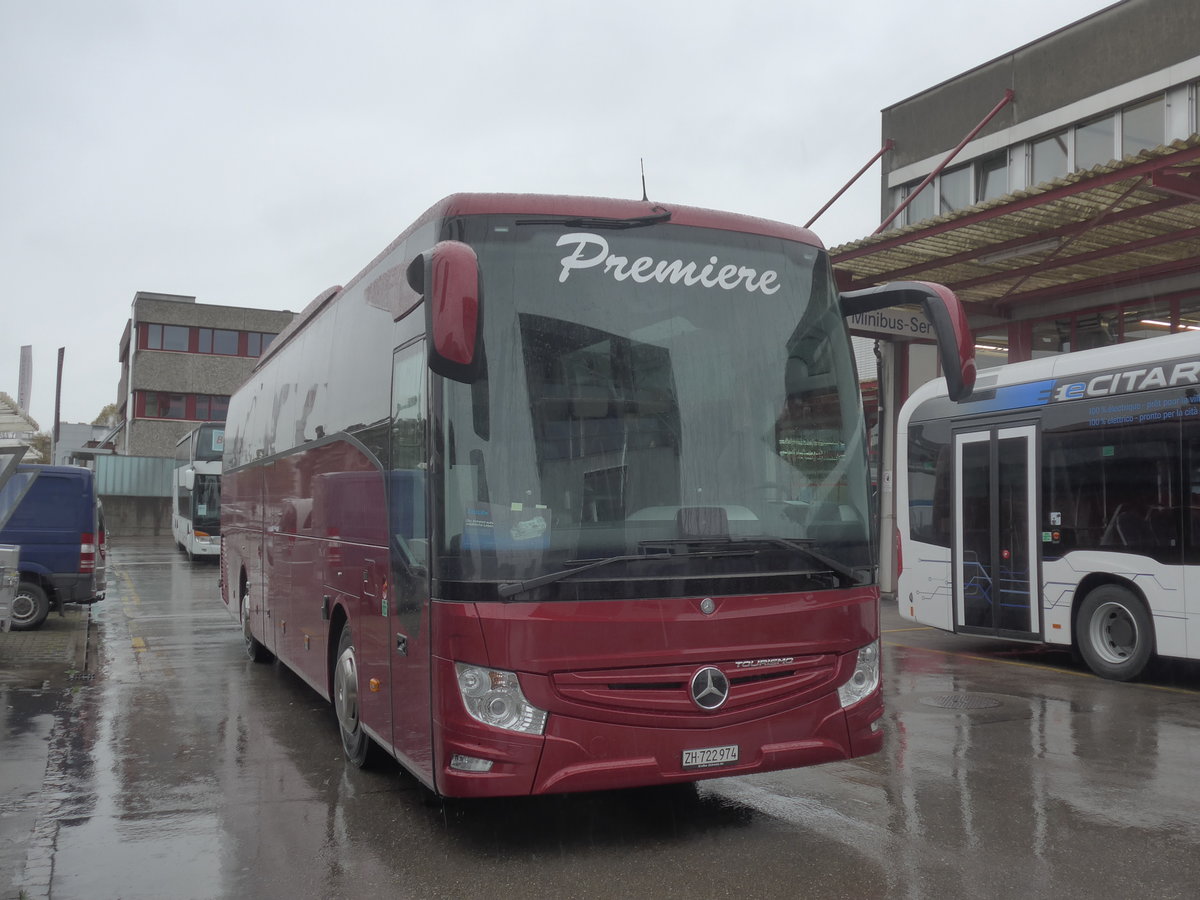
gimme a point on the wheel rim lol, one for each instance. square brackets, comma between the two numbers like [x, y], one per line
[1114, 633]
[345, 691]
[24, 607]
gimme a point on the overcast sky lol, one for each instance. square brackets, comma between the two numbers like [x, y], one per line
[253, 153]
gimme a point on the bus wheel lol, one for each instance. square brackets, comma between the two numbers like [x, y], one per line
[1116, 634]
[360, 749]
[254, 649]
[30, 606]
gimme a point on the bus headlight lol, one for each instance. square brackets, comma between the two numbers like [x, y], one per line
[865, 677]
[494, 697]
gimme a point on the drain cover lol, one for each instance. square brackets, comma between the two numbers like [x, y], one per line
[961, 701]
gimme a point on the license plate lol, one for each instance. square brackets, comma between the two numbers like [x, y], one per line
[703, 757]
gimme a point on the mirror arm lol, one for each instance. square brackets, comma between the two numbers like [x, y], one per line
[945, 313]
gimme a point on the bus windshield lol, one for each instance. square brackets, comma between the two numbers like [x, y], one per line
[206, 503]
[661, 391]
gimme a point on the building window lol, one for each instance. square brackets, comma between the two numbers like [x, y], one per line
[219, 341]
[211, 407]
[1098, 329]
[1151, 318]
[163, 405]
[1095, 142]
[257, 342]
[1134, 321]
[211, 341]
[199, 407]
[1189, 314]
[166, 337]
[991, 180]
[1048, 158]
[1143, 127]
[991, 349]
[954, 189]
[921, 207]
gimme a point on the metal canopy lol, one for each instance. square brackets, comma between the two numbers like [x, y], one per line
[1132, 220]
[12, 420]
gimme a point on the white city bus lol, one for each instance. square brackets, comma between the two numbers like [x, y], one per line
[1060, 504]
[196, 490]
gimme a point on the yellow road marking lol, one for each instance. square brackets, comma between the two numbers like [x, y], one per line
[138, 644]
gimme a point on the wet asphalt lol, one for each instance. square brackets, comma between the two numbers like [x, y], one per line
[173, 767]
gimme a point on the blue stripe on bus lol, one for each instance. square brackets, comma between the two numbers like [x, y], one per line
[1015, 396]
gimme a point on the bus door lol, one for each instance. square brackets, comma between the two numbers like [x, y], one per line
[996, 549]
[411, 648]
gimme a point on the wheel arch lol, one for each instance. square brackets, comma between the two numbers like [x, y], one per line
[337, 621]
[41, 579]
[1089, 583]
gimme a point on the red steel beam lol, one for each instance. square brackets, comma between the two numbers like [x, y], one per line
[1003, 306]
[1171, 237]
[887, 145]
[1008, 96]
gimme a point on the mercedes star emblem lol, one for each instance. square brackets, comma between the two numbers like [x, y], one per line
[710, 688]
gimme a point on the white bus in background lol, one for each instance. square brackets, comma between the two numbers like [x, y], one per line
[1060, 504]
[196, 490]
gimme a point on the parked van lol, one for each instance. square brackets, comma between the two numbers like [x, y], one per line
[9, 557]
[53, 514]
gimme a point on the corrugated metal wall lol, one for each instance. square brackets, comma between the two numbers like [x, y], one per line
[134, 476]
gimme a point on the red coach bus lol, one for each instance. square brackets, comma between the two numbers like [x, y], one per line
[566, 494]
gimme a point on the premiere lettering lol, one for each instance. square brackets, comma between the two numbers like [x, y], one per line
[591, 251]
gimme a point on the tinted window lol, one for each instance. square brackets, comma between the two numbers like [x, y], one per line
[1095, 143]
[955, 189]
[1143, 127]
[175, 337]
[1049, 158]
[930, 467]
[1114, 486]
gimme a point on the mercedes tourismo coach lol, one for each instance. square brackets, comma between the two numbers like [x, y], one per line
[563, 494]
[1060, 504]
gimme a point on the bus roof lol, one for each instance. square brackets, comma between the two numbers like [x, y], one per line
[1119, 362]
[466, 204]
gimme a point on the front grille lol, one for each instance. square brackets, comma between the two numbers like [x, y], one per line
[662, 692]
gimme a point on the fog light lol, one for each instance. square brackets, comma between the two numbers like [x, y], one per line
[865, 677]
[470, 763]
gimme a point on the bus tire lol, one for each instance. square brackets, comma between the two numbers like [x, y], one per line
[360, 748]
[1115, 633]
[254, 648]
[30, 606]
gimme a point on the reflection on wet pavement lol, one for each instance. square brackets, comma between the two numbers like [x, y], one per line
[188, 771]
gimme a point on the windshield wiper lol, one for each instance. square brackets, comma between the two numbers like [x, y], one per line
[661, 215]
[800, 546]
[712, 547]
[510, 589]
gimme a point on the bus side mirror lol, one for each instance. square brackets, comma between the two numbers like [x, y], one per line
[447, 276]
[189, 478]
[956, 345]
